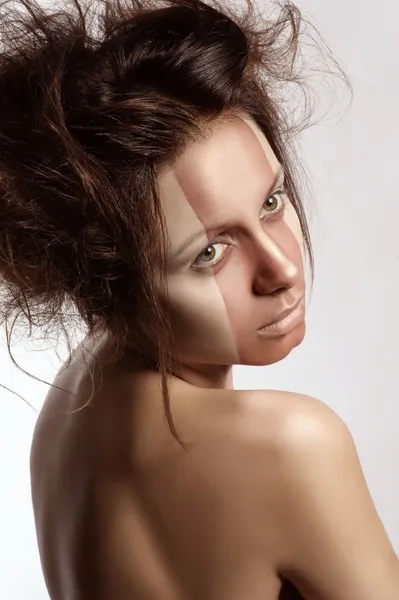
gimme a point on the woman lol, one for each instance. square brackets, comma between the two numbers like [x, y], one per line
[147, 179]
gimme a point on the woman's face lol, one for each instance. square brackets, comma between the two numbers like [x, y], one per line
[236, 252]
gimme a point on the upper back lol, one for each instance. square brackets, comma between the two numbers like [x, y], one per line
[196, 526]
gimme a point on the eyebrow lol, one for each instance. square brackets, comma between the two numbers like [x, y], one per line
[278, 179]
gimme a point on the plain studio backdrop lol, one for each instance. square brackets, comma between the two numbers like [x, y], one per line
[349, 358]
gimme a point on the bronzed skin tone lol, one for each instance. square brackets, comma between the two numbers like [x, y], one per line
[245, 266]
[270, 489]
[223, 287]
[231, 181]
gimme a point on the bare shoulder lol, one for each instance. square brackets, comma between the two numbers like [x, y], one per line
[328, 537]
[280, 470]
[239, 420]
[279, 416]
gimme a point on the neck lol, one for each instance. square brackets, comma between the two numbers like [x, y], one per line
[207, 376]
[198, 374]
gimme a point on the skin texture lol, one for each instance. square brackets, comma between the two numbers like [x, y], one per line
[270, 502]
[226, 182]
[245, 267]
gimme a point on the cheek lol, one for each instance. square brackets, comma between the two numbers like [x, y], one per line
[235, 284]
[292, 221]
[199, 317]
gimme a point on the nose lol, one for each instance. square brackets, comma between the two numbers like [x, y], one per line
[275, 269]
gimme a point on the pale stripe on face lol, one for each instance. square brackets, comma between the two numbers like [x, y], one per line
[197, 308]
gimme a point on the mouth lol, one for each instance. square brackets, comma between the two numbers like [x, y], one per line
[285, 319]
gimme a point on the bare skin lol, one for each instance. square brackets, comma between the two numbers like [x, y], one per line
[271, 489]
[105, 472]
[122, 512]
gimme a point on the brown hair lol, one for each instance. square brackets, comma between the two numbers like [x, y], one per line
[88, 112]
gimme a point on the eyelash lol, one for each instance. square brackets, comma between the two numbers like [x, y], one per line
[279, 192]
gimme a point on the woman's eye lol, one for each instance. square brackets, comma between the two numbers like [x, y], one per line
[214, 252]
[274, 206]
[210, 256]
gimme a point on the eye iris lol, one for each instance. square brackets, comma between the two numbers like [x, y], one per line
[212, 252]
[273, 201]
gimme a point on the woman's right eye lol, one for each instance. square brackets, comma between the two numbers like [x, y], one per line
[210, 256]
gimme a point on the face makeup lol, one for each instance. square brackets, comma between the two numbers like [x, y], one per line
[236, 251]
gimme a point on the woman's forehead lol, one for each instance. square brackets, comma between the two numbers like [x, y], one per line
[234, 147]
[235, 165]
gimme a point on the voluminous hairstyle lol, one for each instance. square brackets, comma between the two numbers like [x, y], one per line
[94, 98]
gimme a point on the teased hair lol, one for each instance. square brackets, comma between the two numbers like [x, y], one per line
[94, 98]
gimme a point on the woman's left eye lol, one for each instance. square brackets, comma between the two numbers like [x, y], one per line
[274, 206]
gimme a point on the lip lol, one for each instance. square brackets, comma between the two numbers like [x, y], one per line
[286, 320]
